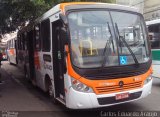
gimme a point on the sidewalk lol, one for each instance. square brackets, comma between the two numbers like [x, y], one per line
[16, 94]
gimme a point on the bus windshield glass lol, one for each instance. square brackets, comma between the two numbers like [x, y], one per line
[103, 39]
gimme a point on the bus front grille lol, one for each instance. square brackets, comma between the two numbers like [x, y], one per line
[117, 88]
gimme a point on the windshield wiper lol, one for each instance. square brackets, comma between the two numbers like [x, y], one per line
[120, 38]
[104, 55]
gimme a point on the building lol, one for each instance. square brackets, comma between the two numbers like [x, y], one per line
[149, 8]
[134, 3]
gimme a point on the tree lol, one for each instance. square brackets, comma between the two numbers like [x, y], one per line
[5, 11]
[14, 13]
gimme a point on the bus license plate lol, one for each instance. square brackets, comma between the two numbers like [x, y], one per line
[122, 96]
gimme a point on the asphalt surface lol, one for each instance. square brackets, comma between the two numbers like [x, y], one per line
[21, 99]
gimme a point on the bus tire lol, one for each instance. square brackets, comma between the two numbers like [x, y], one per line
[50, 91]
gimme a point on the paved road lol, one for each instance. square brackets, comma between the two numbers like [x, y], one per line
[16, 94]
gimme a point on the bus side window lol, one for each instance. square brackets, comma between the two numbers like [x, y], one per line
[45, 34]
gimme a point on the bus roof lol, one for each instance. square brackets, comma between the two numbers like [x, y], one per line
[152, 22]
[80, 5]
[76, 5]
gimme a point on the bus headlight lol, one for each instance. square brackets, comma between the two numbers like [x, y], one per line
[78, 86]
[148, 80]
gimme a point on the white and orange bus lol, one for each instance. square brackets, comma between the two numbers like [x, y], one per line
[11, 50]
[88, 55]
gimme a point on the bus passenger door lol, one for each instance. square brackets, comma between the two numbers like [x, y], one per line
[58, 61]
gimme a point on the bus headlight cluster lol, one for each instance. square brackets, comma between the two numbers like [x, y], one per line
[78, 86]
[148, 80]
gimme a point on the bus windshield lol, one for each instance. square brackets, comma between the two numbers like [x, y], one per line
[97, 39]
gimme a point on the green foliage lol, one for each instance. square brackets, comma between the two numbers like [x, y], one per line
[14, 13]
[5, 11]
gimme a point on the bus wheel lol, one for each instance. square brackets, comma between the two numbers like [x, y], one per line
[51, 93]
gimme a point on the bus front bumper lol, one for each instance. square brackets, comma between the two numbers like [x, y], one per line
[80, 100]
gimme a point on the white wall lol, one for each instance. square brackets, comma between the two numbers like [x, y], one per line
[152, 9]
[135, 3]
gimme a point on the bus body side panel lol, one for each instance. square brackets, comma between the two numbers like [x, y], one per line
[39, 72]
[39, 69]
[45, 58]
[43, 65]
[44, 70]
